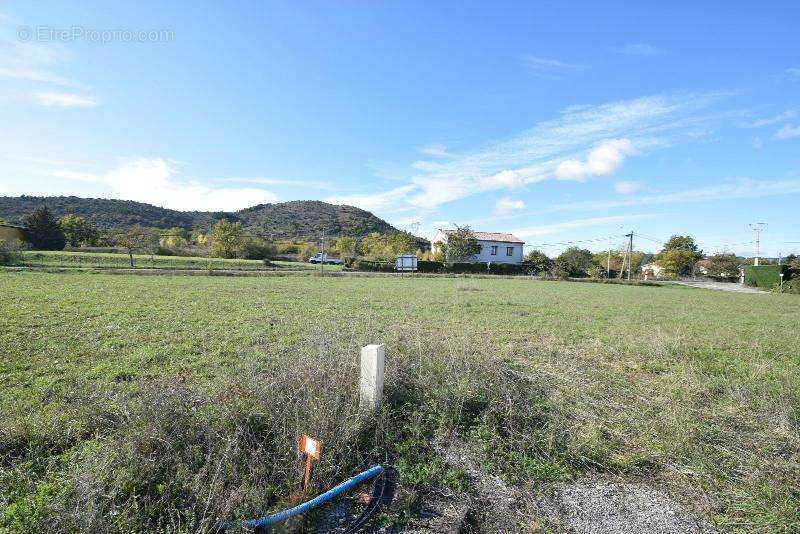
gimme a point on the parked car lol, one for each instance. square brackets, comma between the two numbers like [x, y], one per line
[319, 257]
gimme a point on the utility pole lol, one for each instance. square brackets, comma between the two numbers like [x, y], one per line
[322, 260]
[608, 266]
[757, 227]
[630, 254]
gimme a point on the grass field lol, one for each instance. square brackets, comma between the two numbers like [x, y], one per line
[160, 403]
[104, 260]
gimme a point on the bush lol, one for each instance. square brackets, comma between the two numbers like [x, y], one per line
[9, 251]
[373, 266]
[764, 276]
[164, 251]
[511, 269]
[430, 266]
[476, 268]
[288, 248]
[257, 250]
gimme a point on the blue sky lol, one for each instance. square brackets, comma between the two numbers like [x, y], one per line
[560, 122]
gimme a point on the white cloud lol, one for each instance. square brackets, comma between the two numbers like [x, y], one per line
[435, 150]
[265, 180]
[609, 131]
[742, 188]
[542, 63]
[387, 200]
[556, 228]
[627, 188]
[638, 49]
[788, 131]
[508, 205]
[154, 180]
[602, 160]
[793, 73]
[766, 121]
[34, 62]
[64, 100]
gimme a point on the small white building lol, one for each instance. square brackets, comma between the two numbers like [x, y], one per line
[495, 247]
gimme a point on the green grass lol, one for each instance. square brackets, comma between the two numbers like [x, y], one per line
[695, 390]
[68, 259]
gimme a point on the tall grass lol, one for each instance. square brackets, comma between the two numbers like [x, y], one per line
[178, 454]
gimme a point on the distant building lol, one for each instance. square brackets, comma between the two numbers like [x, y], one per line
[9, 232]
[495, 247]
[652, 270]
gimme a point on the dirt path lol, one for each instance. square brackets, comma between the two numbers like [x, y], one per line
[720, 286]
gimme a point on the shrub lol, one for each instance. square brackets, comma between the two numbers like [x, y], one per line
[288, 248]
[374, 266]
[164, 251]
[430, 266]
[459, 268]
[511, 269]
[9, 251]
[764, 276]
[257, 250]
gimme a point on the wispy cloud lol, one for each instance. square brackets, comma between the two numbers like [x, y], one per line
[155, 181]
[387, 200]
[788, 131]
[550, 68]
[742, 188]
[793, 73]
[638, 49]
[766, 121]
[549, 229]
[34, 62]
[435, 150]
[627, 188]
[614, 130]
[64, 100]
[508, 205]
[325, 186]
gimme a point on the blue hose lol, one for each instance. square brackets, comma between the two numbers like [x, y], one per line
[308, 505]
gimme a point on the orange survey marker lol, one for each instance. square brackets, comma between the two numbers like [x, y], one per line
[311, 448]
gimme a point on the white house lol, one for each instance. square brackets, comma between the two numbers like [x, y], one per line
[495, 247]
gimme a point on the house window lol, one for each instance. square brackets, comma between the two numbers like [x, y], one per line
[494, 250]
[509, 251]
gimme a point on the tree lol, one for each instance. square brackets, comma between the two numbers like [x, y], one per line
[575, 261]
[346, 247]
[43, 231]
[679, 255]
[723, 266]
[400, 243]
[135, 239]
[538, 260]
[227, 238]
[79, 230]
[461, 245]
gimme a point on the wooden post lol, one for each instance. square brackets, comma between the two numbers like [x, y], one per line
[371, 386]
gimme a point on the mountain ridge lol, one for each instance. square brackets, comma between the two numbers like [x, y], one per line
[283, 220]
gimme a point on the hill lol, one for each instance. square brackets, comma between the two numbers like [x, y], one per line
[284, 220]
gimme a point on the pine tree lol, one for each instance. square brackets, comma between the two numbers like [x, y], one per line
[43, 231]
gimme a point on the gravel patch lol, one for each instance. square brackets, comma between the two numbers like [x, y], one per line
[618, 508]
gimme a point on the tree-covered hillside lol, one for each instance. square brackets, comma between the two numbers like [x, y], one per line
[286, 220]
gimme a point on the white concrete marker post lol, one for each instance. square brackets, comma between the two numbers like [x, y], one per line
[371, 387]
